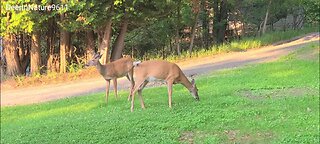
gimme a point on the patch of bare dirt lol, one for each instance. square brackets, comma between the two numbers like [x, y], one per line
[235, 136]
[232, 136]
[189, 136]
[278, 93]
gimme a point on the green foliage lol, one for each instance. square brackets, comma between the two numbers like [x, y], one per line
[52, 74]
[19, 21]
[275, 102]
[71, 9]
[277, 36]
[242, 45]
[312, 8]
[74, 67]
[19, 79]
[152, 25]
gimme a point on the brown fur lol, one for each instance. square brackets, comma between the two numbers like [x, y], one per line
[162, 70]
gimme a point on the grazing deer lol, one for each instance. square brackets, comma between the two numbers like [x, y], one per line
[113, 70]
[155, 70]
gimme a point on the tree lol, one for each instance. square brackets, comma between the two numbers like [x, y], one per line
[178, 27]
[11, 55]
[15, 23]
[35, 58]
[266, 18]
[105, 42]
[64, 45]
[196, 11]
[119, 42]
[89, 50]
[312, 8]
[220, 20]
[50, 40]
[204, 17]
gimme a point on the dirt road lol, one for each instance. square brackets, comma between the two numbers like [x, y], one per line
[23, 96]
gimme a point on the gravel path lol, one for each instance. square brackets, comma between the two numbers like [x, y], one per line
[24, 96]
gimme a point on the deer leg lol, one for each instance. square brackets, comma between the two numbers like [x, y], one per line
[115, 86]
[132, 100]
[136, 87]
[107, 90]
[131, 87]
[170, 93]
[140, 93]
[130, 78]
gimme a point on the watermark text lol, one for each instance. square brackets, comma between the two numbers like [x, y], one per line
[35, 7]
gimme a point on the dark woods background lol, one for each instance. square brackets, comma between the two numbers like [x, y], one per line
[62, 40]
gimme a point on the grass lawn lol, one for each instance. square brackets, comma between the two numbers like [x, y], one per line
[275, 102]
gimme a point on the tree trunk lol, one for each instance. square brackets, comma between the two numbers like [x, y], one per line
[105, 39]
[205, 24]
[196, 11]
[50, 45]
[216, 19]
[177, 41]
[100, 33]
[266, 19]
[24, 52]
[21, 39]
[105, 42]
[69, 49]
[11, 55]
[260, 28]
[222, 21]
[89, 45]
[119, 43]
[35, 60]
[193, 33]
[64, 45]
[177, 37]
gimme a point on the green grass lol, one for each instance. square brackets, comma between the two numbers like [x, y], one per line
[275, 102]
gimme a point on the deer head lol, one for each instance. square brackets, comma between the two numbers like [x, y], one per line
[194, 90]
[94, 61]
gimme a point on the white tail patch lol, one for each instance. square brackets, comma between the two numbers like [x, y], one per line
[136, 63]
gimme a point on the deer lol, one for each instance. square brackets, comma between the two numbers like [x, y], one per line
[113, 70]
[158, 70]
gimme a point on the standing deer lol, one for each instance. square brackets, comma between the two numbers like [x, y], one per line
[113, 70]
[155, 70]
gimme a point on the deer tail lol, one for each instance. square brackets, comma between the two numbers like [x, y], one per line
[136, 63]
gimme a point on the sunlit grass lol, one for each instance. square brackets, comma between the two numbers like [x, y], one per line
[275, 102]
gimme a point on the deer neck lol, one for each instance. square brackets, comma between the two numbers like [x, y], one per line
[186, 83]
[100, 68]
[105, 71]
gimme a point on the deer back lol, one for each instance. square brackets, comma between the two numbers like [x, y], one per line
[158, 69]
[118, 68]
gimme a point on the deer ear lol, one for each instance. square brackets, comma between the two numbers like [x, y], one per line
[193, 82]
[99, 56]
[95, 54]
